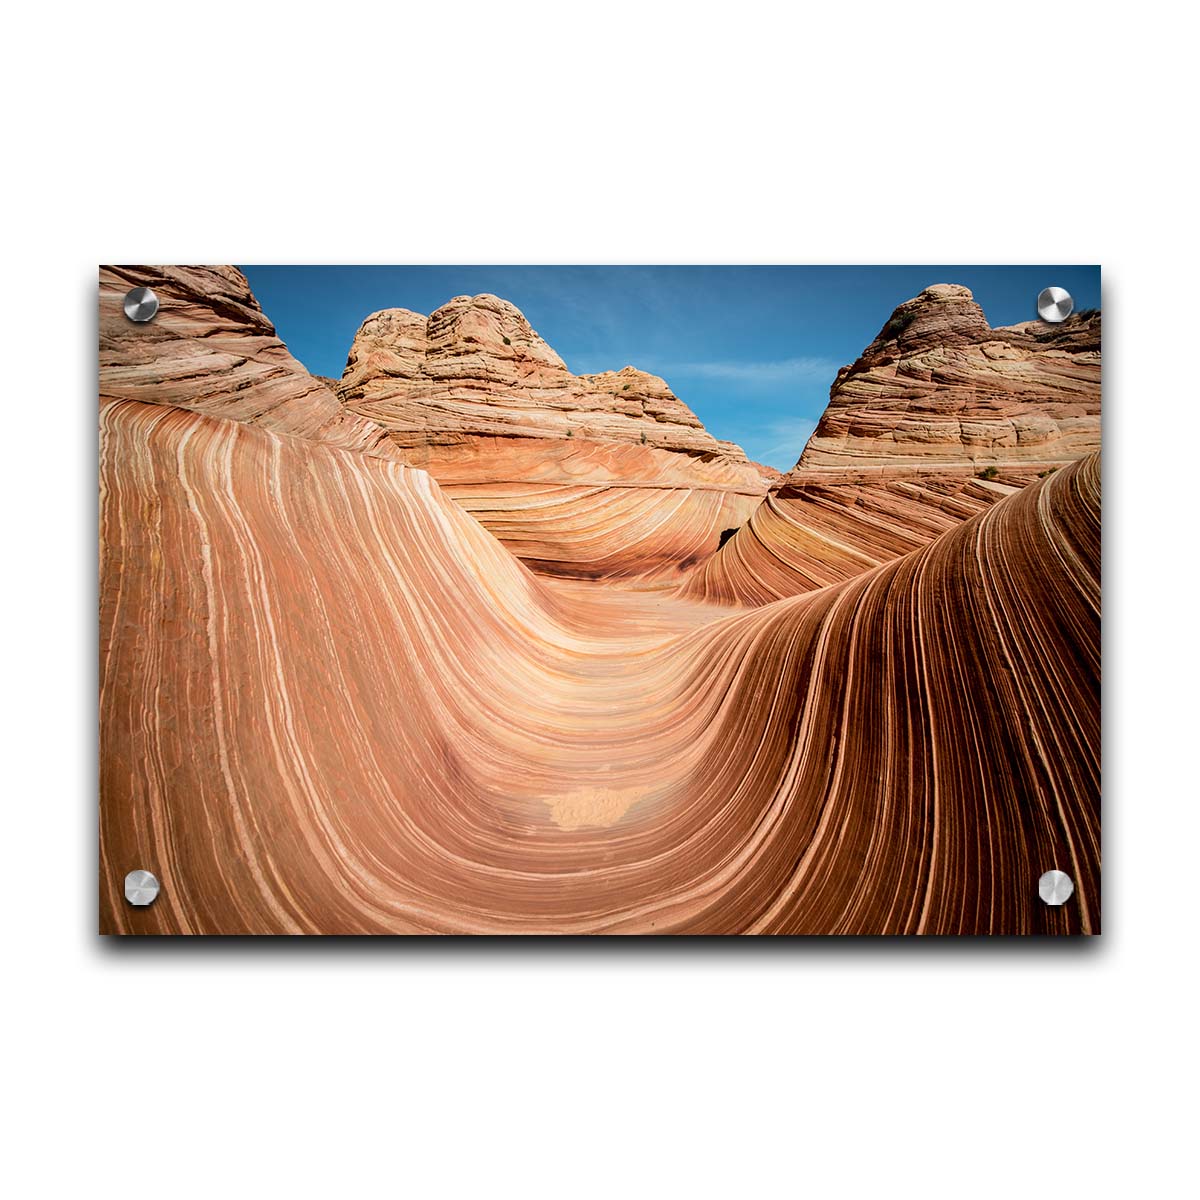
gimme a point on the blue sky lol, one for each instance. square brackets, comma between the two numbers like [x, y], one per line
[751, 350]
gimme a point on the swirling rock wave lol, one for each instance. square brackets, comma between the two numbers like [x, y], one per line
[331, 702]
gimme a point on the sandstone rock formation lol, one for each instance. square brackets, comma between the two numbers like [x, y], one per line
[331, 703]
[940, 417]
[579, 475]
[938, 386]
[213, 350]
[476, 367]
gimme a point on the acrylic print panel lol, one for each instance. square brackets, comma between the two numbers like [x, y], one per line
[423, 611]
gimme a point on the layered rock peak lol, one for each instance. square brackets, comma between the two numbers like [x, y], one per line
[944, 314]
[491, 324]
[213, 350]
[940, 387]
[938, 419]
[477, 368]
[480, 340]
[581, 475]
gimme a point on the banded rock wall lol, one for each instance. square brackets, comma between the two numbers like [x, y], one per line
[939, 418]
[590, 475]
[213, 350]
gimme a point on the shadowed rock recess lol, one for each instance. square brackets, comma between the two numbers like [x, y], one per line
[331, 701]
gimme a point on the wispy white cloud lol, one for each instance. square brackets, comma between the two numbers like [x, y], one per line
[780, 443]
[785, 370]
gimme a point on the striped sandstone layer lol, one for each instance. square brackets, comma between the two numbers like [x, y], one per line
[213, 350]
[330, 702]
[939, 387]
[606, 475]
[939, 418]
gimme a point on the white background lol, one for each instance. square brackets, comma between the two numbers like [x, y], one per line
[603, 133]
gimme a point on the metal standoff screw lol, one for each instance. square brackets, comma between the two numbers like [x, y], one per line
[1056, 887]
[1054, 304]
[141, 305]
[140, 887]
